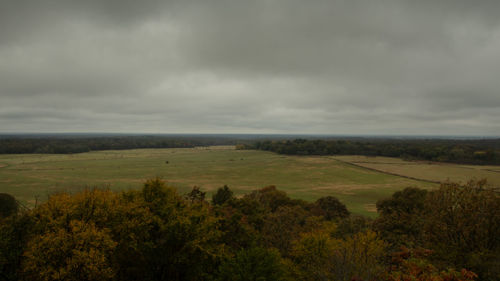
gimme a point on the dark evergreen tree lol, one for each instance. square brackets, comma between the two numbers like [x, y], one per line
[222, 195]
[330, 208]
[8, 205]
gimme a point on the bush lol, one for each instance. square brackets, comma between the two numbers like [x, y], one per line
[8, 205]
[222, 195]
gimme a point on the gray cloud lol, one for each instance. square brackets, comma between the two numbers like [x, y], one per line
[275, 66]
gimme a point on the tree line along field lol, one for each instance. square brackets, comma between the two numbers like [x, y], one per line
[32, 177]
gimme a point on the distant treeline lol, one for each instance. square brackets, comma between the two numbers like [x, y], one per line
[475, 151]
[64, 145]
[481, 151]
[447, 234]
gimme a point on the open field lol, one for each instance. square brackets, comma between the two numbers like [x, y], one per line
[430, 171]
[31, 176]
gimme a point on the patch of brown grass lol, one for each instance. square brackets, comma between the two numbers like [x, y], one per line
[314, 160]
[370, 208]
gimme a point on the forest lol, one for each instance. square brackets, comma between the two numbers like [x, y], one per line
[77, 144]
[478, 151]
[155, 233]
[461, 151]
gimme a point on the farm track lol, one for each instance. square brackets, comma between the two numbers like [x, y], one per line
[490, 170]
[385, 172]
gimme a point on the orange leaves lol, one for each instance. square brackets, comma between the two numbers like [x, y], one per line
[318, 256]
[412, 265]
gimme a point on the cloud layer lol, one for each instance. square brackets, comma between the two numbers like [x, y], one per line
[275, 66]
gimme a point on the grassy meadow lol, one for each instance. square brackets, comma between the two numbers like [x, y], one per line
[32, 177]
[431, 171]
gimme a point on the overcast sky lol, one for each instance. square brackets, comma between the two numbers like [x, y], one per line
[276, 66]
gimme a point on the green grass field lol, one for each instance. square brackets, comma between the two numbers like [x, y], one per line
[34, 176]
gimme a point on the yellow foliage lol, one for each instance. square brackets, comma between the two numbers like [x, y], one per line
[318, 256]
[94, 205]
[74, 236]
[359, 256]
[79, 252]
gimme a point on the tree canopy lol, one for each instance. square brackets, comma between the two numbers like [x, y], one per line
[154, 233]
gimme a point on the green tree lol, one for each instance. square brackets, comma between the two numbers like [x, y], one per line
[352, 225]
[253, 264]
[14, 235]
[222, 195]
[8, 205]
[196, 195]
[409, 200]
[185, 240]
[402, 217]
[330, 208]
[270, 197]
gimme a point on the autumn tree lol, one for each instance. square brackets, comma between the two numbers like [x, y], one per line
[196, 195]
[284, 226]
[318, 256]
[81, 251]
[253, 264]
[74, 237]
[401, 217]
[462, 226]
[156, 234]
[412, 264]
[151, 234]
[236, 232]
[312, 256]
[359, 256]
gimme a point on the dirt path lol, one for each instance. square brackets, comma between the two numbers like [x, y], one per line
[490, 170]
[385, 172]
